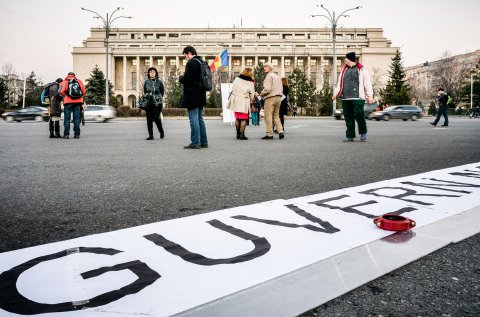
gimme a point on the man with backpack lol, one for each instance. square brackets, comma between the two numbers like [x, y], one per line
[443, 99]
[54, 107]
[73, 91]
[195, 86]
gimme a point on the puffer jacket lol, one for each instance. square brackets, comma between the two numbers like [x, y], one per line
[365, 88]
[156, 89]
[64, 87]
[55, 105]
[242, 95]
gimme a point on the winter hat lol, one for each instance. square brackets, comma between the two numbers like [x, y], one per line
[268, 64]
[351, 57]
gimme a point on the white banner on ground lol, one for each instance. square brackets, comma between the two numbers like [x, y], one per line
[168, 267]
[228, 115]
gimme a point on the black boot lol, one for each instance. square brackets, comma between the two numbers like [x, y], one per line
[243, 137]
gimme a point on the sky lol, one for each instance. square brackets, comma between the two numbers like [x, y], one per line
[39, 35]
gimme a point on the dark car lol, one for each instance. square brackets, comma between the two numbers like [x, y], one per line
[38, 114]
[368, 109]
[404, 112]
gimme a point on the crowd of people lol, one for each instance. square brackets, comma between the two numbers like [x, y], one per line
[354, 88]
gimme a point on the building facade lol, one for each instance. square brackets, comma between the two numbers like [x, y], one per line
[132, 51]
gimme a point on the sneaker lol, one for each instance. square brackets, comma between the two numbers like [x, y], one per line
[243, 137]
[281, 135]
[58, 136]
[51, 136]
[162, 135]
[433, 124]
[76, 137]
[149, 138]
[66, 136]
[363, 137]
[348, 140]
[192, 146]
[204, 146]
[268, 137]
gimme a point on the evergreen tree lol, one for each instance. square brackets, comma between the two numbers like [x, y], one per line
[33, 90]
[467, 88]
[173, 89]
[396, 92]
[259, 76]
[3, 93]
[302, 90]
[95, 86]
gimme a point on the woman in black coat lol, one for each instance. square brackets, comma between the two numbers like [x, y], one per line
[154, 86]
[284, 104]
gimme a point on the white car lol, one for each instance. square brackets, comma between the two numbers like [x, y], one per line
[98, 113]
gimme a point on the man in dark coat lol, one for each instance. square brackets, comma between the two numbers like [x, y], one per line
[194, 98]
[442, 108]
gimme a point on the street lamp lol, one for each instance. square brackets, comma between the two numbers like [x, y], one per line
[107, 23]
[333, 21]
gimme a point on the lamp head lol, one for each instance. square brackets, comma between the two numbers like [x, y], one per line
[359, 7]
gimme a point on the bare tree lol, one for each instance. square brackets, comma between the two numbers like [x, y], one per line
[452, 73]
[378, 83]
[14, 83]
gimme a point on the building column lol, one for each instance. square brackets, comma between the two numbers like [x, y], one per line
[164, 59]
[309, 75]
[256, 60]
[151, 62]
[282, 60]
[177, 62]
[124, 80]
[137, 88]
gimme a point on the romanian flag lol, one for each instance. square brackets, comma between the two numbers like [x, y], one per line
[220, 60]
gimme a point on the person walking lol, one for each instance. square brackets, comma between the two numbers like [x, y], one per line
[55, 109]
[272, 94]
[194, 98]
[442, 108]
[284, 103]
[354, 87]
[73, 91]
[154, 87]
[240, 100]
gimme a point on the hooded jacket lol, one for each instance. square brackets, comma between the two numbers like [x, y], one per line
[154, 87]
[64, 87]
[365, 84]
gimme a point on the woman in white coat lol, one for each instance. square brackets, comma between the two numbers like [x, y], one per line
[242, 95]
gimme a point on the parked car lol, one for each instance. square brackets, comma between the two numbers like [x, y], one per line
[38, 114]
[404, 112]
[368, 109]
[99, 113]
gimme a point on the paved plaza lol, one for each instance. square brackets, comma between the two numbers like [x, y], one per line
[112, 178]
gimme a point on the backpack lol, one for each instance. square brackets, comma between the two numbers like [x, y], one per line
[205, 75]
[73, 89]
[45, 95]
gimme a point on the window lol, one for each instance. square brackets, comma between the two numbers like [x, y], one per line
[173, 35]
[236, 62]
[237, 36]
[287, 36]
[262, 60]
[324, 36]
[361, 36]
[300, 62]
[224, 36]
[186, 36]
[147, 62]
[250, 36]
[159, 62]
[339, 36]
[236, 46]
[173, 62]
[134, 81]
[123, 36]
[146, 46]
[148, 36]
[299, 36]
[349, 36]
[211, 36]
[184, 62]
[325, 62]
[339, 62]
[161, 36]
[313, 36]
[249, 62]
[288, 61]
[275, 62]
[275, 36]
[261, 36]
[134, 62]
[313, 62]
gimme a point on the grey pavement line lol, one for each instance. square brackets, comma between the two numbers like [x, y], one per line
[309, 287]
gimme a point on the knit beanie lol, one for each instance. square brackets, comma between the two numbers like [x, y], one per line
[351, 57]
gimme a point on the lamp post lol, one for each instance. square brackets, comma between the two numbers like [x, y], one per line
[107, 23]
[333, 21]
[471, 90]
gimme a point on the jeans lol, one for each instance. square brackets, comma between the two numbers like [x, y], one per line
[67, 112]
[255, 118]
[198, 132]
[353, 111]
[442, 111]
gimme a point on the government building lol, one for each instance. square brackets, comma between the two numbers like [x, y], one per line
[132, 51]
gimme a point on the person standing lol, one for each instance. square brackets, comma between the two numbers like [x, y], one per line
[55, 109]
[154, 87]
[241, 97]
[442, 108]
[284, 103]
[194, 98]
[354, 87]
[272, 94]
[73, 91]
